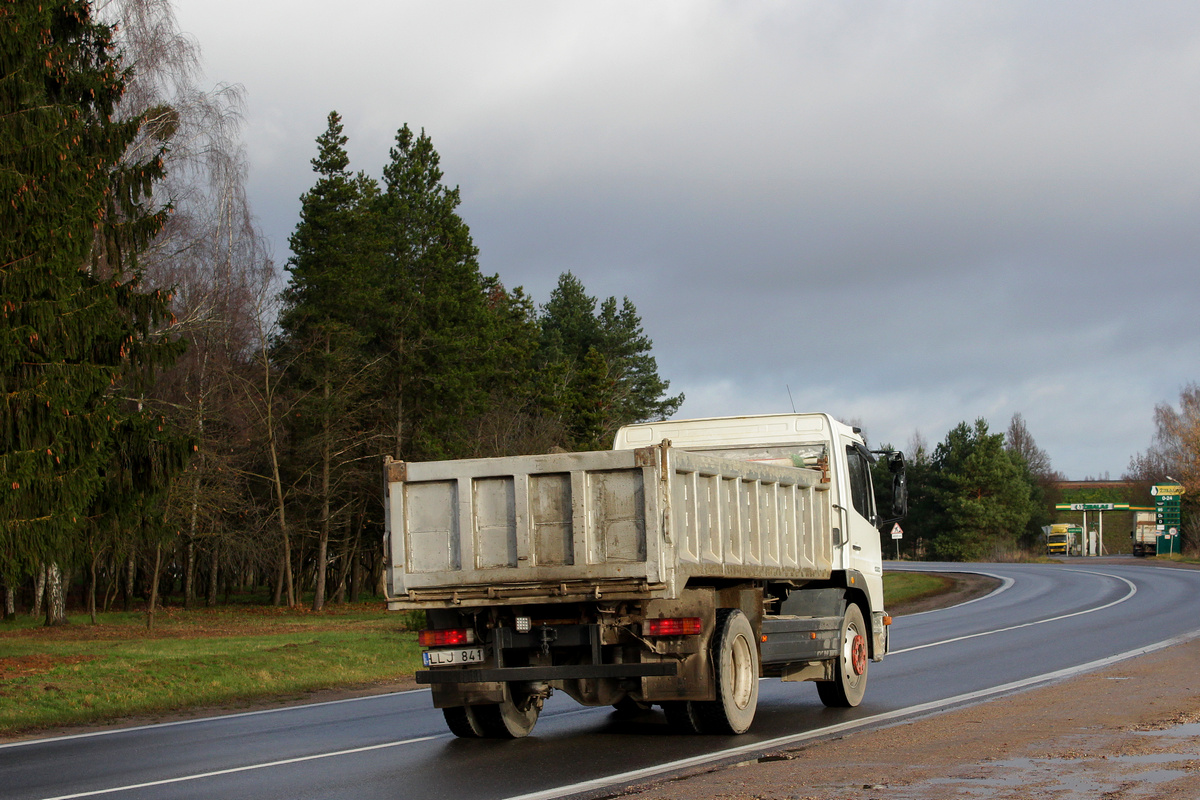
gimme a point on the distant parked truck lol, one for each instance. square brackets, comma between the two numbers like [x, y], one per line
[674, 570]
[1060, 539]
[1144, 533]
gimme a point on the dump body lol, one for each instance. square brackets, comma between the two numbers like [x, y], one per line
[616, 524]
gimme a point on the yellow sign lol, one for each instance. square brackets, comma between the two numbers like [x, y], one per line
[1166, 488]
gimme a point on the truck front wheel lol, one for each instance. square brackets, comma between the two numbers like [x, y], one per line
[848, 688]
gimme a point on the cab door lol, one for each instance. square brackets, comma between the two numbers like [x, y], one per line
[862, 549]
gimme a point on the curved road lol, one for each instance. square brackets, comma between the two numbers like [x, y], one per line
[1045, 622]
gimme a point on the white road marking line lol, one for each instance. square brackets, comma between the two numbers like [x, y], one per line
[1132, 591]
[221, 717]
[771, 744]
[247, 768]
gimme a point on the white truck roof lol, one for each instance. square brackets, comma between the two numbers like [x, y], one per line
[732, 432]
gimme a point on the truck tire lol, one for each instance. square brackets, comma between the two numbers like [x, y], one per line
[628, 707]
[462, 722]
[681, 716]
[505, 720]
[735, 670]
[847, 689]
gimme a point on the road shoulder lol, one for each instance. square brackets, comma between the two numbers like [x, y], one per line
[1129, 731]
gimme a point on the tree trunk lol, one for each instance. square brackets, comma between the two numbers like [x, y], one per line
[39, 592]
[10, 602]
[189, 572]
[154, 587]
[56, 595]
[130, 577]
[285, 555]
[326, 455]
[277, 598]
[214, 561]
[356, 563]
[91, 602]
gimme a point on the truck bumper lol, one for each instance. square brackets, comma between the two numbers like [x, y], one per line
[560, 672]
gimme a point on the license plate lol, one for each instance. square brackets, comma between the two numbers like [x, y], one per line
[437, 658]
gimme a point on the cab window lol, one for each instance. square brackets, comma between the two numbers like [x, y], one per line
[860, 482]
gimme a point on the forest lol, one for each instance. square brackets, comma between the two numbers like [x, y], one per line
[183, 416]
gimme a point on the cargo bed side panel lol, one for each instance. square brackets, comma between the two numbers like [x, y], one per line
[744, 520]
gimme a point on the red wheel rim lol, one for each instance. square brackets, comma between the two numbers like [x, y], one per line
[858, 655]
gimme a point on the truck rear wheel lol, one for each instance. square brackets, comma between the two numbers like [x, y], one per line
[735, 669]
[682, 716]
[505, 720]
[462, 722]
[848, 688]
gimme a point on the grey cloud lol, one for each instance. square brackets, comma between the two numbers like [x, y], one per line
[911, 213]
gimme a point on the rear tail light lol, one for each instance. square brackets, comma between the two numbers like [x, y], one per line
[673, 626]
[448, 637]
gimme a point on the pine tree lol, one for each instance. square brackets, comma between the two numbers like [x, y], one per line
[78, 324]
[1034, 464]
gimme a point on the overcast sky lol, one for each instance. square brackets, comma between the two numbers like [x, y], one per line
[910, 213]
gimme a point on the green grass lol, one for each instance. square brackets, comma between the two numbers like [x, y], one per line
[87, 673]
[901, 587]
[1177, 558]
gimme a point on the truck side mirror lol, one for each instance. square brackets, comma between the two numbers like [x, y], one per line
[899, 484]
[899, 495]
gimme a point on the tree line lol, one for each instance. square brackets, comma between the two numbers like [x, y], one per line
[983, 495]
[172, 420]
[1174, 457]
[976, 495]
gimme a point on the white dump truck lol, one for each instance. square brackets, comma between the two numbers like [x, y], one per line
[674, 570]
[1144, 535]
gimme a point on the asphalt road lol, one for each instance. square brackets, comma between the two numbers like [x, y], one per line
[1045, 622]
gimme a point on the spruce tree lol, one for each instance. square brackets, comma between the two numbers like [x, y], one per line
[77, 322]
[980, 494]
[432, 320]
[323, 324]
[602, 358]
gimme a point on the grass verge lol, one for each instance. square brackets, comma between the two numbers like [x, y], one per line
[83, 673]
[905, 587]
